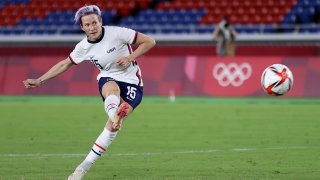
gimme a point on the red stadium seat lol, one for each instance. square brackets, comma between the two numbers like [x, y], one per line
[238, 11]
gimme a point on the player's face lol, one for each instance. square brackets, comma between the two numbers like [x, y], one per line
[92, 26]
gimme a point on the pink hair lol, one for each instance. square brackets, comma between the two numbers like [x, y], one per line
[85, 10]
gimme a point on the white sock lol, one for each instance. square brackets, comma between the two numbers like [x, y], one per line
[99, 147]
[111, 104]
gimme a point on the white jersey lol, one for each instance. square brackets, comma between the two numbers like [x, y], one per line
[114, 42]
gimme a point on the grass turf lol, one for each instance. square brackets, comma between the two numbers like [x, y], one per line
[45, 137]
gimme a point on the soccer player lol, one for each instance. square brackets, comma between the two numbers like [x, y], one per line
[119, 80]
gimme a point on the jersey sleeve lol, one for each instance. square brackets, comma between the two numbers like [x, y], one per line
[127, 35]
[77, 55]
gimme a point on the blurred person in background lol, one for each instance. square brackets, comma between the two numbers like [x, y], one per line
[119, 80]
[225, 36]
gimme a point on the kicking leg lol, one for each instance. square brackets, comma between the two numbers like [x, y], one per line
[116, 116]
[122, 112]
[111, 93]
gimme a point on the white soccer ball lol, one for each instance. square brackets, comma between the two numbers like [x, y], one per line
[277, 80]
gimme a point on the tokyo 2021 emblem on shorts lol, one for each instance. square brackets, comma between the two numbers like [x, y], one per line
[231, 74]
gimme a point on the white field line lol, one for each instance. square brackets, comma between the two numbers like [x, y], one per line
[42, 155]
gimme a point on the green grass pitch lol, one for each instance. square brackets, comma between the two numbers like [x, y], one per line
[46, 137]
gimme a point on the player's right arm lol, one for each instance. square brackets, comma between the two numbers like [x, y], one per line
[57, 69]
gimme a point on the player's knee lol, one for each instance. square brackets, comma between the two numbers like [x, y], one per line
[110, 88]
[111, 104]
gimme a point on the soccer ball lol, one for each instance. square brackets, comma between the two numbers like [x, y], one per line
[277, 80]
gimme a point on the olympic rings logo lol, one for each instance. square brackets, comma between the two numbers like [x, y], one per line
[232, 73]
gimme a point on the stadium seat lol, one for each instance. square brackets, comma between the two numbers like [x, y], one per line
[310, 29]
[162, 16]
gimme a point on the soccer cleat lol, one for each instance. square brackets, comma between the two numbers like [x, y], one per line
[77, 174]
[121, 113]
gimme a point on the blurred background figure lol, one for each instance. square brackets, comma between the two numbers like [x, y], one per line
[225, 35]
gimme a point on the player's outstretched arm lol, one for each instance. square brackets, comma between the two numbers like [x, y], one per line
[57, 69]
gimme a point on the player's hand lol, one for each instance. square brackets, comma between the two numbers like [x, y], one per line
[31, 83]
[123, 61]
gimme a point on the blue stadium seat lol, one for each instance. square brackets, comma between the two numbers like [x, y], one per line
[45, 31]
[250, 29]
[12, 30]
[157, 19]
[167, 21]
[302, 13]
[146, 30]
[311, 29]
[16, 1]
[69, 31]
[30, 22]
[269, 29]
[108, 16]
[204, 29]
[129, 21]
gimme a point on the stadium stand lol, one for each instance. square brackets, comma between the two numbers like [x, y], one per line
[21, 17]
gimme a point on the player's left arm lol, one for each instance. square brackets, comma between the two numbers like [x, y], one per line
[144, 42]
